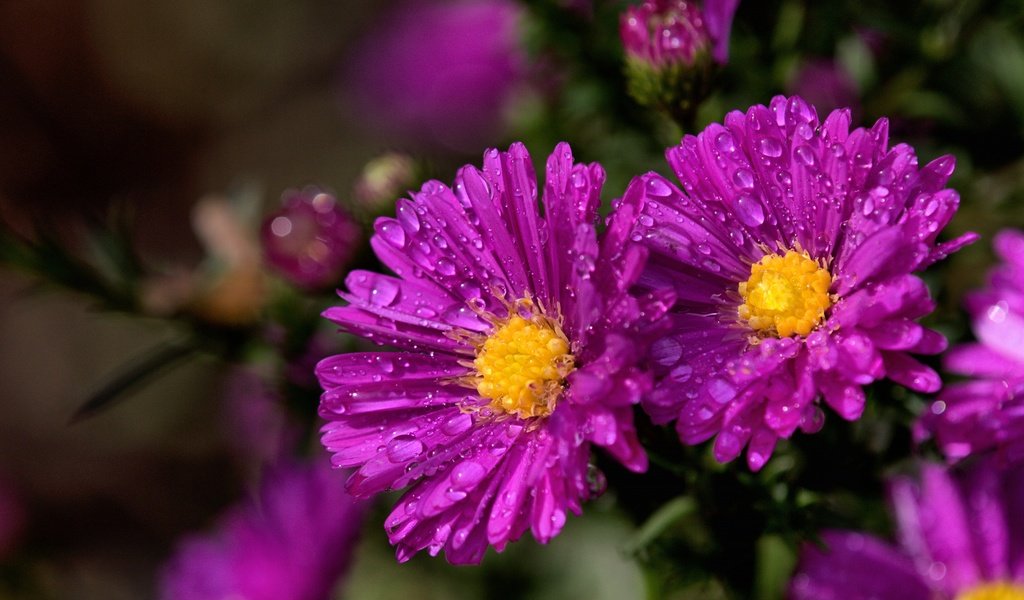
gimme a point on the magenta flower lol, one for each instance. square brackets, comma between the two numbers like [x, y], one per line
[310, 239]
[664, 32]
[791, 252]
[440, 72]
[517, 345]
[960, 539]
[987, 412]
[293, 542]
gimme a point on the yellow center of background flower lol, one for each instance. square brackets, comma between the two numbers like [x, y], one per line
[993, 591]
[785, 295]
[521, 367]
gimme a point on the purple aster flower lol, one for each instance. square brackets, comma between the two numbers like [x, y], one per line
[310, 239]
[293, 542]
[987, 412]
[438, 71]
[960, 537]
[517, 345]
[790, 249]
[665, 32]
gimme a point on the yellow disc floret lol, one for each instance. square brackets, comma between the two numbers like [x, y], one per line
[521, 366]
[999, 590]
[785, 295]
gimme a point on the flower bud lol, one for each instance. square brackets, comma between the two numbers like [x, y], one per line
[310, 240]
[672, 49]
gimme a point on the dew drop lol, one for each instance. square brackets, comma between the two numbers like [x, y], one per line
[404, 448]
[657, 187]
[407, 217]
[749, 210]
[725, 143]
[805, 155]
[681, 374]
[467, 474]
[868, 207]
[426, 312]
[468, 289]
[384, 292]
[393, 233]
[743, 178]
[445, 266]
[769, 147]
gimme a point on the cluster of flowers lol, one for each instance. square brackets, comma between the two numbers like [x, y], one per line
[780, 277]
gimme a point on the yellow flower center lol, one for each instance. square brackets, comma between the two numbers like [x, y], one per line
[522, 365]
[785, 295]
[999, 590]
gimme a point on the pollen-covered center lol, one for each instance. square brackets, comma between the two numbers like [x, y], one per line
[993, 591]
[785, 295]
[522, 365]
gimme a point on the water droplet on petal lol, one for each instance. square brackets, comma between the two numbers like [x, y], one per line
[769, 147]
[805, 155]
[467, 474]
[743, 178]
[384, 292]
[725, 142]
[407, 217]
[393, 233]
[657, 187]
[749, 210]
[404, 448]
[457, 424]
[445, 266]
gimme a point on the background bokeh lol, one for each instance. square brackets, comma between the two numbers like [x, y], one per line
[140, 109]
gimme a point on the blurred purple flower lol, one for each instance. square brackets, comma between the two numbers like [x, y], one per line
[255, 417]
[310, 239]
[959, 533]
[293, 542]
[987, 413]
[518, 348]
[791, 252]
[664, 32]
[439, 71]
[827, 85]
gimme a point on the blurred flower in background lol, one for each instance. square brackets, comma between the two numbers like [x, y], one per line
[438, 72]
[987, 412]
[255, 419]
[291, 542]
[959, 538]
[827, 86]
[311, 239]
[229, 286]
